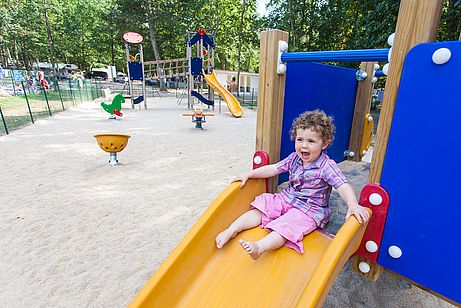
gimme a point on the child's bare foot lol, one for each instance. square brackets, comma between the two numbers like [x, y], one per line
[251, 248]
[224, 237]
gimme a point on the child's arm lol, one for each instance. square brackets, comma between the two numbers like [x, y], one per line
[347, 194]
[260, 173]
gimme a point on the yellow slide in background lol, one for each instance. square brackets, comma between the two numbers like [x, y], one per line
[197, 274]
[232, 103]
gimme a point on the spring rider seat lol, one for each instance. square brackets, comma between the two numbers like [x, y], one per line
[198, 117]
[112, 144]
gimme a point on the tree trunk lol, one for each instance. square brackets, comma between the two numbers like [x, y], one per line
[153, 39]
[311, 26]
[15, 51]
[2, 55]
[452, 21]
[50, 39]
[240, 47]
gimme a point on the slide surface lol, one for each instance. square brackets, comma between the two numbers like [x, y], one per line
[201, 98]
[197, 274]
[232, 103]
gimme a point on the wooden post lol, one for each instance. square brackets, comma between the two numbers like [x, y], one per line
[130, 82]
[417, 23]
[141, 59]
[362, 107]
[270, 98]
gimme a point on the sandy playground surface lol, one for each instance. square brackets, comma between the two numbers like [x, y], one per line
[76, 232]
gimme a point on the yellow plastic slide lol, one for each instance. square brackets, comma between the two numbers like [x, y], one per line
[232, 103]
[197, 274]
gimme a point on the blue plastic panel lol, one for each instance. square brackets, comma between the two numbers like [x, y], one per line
[135, 70]
[422, 171]
[196, 66]
[311, 86]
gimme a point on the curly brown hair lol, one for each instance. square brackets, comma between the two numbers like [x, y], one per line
[316, 120]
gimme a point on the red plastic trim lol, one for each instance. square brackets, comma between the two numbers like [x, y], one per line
[375, 228]
[264, 161]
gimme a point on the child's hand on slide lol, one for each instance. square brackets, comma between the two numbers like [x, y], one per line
[242, 177]
[359, 212]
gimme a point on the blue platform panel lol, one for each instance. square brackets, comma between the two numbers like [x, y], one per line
[311, 86]
[135, 70]
[422, 171]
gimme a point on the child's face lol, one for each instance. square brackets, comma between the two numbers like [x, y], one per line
[309, 145]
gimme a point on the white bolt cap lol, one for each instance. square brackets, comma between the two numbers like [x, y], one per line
[364, 152]
[386, 68]
[395, 252]
[374, 79]
[375, 199]
[389, 55]
[390, 39]
[281, 68]
[351, 154]
[370, 118]
[257, 160]
[364, 75]
[441, 56]
[283, 46]
[364, 267]
[371, 246]
[376, 66]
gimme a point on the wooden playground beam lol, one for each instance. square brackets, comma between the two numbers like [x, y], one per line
[417, 23]
[362, 107]
[271, 94]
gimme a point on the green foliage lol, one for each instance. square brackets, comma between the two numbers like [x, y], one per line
[89, 32]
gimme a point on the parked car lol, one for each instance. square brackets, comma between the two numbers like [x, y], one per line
[122, 78]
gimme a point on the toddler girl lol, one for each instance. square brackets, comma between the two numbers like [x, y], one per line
[303, 205]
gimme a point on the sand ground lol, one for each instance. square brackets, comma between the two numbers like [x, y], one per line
[77, 232]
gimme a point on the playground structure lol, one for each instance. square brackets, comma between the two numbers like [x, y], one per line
[199, 65]
[195, 69]
[201, 68]
[403, 234]
[115, 108]
[112, 144]
[135, 68]
[198, 117]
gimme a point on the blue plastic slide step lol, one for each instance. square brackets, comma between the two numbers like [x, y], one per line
[202, 99]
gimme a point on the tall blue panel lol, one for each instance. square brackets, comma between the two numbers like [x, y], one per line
[422, 170]
[311, 86]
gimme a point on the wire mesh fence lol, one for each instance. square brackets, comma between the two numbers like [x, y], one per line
[23, 102]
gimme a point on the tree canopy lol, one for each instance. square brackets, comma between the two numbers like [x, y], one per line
[88, 33]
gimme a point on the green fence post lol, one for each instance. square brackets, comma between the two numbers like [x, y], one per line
[12, 82]
[4, 122]
[80, 92]
[93, 84]
[46, 99]
[27, 101]
[71, 93]
[59, 91]
[86, 91]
